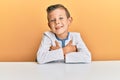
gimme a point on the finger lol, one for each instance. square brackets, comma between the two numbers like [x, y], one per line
[57, 44]
[70, 42]
[51, 47]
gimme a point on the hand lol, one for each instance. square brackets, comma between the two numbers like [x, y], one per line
[69, 48]
[55, 47]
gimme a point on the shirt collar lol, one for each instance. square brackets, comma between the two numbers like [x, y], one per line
[63, 39]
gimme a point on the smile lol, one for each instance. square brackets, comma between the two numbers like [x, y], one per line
[57, 28]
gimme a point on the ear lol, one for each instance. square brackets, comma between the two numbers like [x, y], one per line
[70, 19]
[49, 24]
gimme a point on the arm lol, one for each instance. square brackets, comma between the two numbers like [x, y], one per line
[44, 54]
[69, 48]
[82, 55]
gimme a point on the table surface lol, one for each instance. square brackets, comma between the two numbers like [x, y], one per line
[97, 70]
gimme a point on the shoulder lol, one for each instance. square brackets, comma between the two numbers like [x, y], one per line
[75, 34]
[49, 34]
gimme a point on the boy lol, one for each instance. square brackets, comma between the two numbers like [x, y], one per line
[59, 45]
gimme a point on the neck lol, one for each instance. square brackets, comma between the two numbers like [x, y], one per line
[62, 36]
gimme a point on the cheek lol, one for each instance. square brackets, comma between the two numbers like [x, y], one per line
[51, 25]
[67, 22]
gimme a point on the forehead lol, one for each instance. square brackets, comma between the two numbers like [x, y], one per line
[57, 12]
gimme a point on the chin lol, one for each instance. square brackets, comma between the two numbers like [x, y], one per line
[59, 33]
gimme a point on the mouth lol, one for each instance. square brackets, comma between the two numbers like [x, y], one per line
[58, 27]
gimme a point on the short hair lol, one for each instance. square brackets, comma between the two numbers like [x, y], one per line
[56, 6]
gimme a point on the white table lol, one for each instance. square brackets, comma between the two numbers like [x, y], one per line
[97, 70]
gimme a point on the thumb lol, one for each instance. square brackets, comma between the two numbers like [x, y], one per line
[57, 44]
[70, 42]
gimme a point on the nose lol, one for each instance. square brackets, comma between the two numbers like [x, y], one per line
[58, 21]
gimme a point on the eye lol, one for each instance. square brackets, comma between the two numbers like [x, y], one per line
[52, 20]
[61, 18]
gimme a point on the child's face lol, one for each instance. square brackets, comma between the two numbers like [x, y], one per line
[58, 21]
